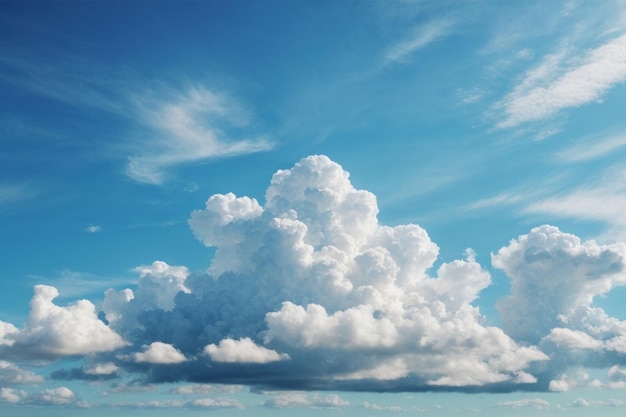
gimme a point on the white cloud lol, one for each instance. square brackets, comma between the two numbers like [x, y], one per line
[93, 229]
[7, 333]
[107, 368]
[569, 382]
[192, 127]
[601, 200]
[11, 395]
[160, 353]
[203, 389]
[159, 283]
[313, 271]
[581, 402]
[593, 149]
[210, 403]
[299, 399]
[573, 339]
[376, 407]
[421, 37]
[53, 331]
[55, 396]
[536, 403]
[560, 82]
[11, 374]
[243, 350]
[552, 273]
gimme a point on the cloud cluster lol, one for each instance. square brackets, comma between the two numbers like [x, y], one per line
[309, 291]
[310, 287]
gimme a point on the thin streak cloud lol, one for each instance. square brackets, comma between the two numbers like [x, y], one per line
[548, 89]
[421, 37]
[192, 127]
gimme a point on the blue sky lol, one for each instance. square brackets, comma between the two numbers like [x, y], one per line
[272, 208]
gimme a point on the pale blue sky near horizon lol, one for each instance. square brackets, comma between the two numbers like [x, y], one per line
[305, 207]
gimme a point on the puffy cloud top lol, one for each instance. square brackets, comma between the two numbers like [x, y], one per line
[54, 331]
[161, 353]
[553, 273]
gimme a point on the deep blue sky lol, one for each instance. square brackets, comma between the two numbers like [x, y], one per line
[262, 207]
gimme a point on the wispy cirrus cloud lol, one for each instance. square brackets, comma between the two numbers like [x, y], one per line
[593, 148]
[562, 81]
[199, 124]
[12, 193]
[421, 37]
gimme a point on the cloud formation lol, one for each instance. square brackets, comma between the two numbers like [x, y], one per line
[311, 272]
[310, 291]
[196, 125]
[421, 37]
[243, 350]
[53, 331]
[560, 82]
[160, 353]
[553, 273]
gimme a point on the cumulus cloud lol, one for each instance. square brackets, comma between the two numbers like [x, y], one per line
[573, 339]
[107, 368]
[243, 350]
[11, 374]
[567, 382]
[310, 291]
[54, 396]
[553, 273]
[560, 82]
[7, 333]
[312, 272]
[11, 395]
[199, 124]
[160, 353]
[53, 331]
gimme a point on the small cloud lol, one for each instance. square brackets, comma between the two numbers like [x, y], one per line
[204, 389]
[209, 403]
[11, 374]
[93, 229]
[160, 353]
[421, 37]
[536, 403]
[55, 396]
[242, 351]
[192, 187]
[12, 396]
